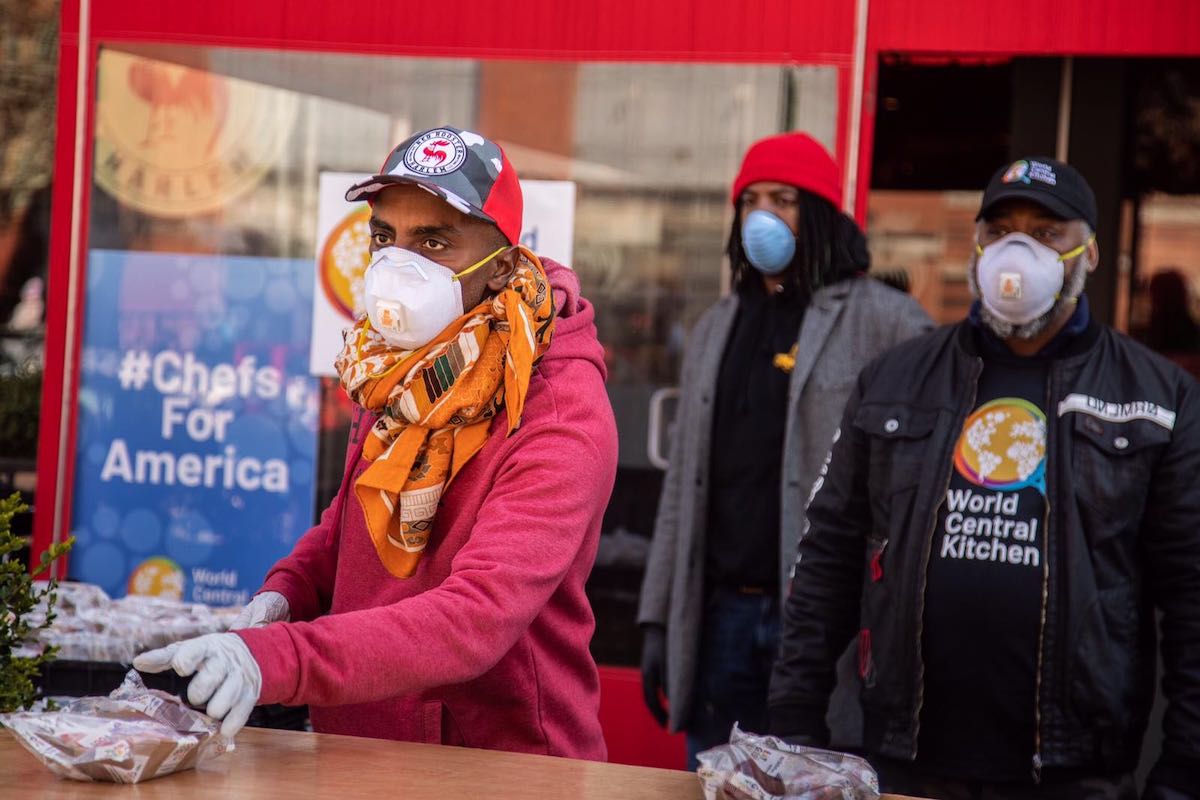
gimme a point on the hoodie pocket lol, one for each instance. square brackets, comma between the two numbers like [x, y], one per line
[439, 726]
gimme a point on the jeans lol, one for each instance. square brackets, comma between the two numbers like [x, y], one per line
[737, 651]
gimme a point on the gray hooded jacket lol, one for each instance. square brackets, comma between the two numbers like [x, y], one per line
[845, 326]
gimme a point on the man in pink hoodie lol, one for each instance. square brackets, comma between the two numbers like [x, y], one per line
[441, 596]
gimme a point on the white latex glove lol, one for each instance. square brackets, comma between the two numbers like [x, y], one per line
[227, 676]
[263, 609]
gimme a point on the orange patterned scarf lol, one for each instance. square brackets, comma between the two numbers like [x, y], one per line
[436, 403]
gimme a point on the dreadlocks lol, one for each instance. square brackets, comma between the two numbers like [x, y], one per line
[829, 247]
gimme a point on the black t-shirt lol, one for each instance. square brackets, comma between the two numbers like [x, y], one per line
[983, 599]
[749, 422]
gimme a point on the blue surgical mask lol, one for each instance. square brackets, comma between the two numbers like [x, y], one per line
[768, 242]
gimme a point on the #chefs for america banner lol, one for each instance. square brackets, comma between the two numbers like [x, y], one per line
[198, 423]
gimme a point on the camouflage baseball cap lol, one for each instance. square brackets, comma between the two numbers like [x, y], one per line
[466, 170]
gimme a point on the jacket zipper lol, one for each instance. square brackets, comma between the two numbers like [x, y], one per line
[1037, 690]
[924, 575]
[1041, 655]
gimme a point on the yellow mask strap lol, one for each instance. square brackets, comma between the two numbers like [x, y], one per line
[1078, 251]
[479, 264]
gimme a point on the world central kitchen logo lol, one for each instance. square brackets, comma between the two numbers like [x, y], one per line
[172, 141]
[1001, 453]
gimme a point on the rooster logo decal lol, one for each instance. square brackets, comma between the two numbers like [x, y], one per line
[179, 101]
[173, 141]
[436, 153]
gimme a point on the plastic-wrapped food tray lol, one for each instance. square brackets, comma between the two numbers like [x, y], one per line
[134, 734]
[68, 678]
[98, 638]
[753, 767]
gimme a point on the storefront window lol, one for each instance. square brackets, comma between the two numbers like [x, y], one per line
[921, 241]
[208, 170]
[1165, 306]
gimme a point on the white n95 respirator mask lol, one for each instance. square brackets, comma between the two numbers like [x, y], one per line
[1020, 278]
[411, 299]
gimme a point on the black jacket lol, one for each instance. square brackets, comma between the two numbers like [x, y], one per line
[1124, 538]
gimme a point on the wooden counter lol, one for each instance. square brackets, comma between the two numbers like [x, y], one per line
[270, 764]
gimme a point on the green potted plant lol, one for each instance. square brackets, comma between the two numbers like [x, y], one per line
[18, 597]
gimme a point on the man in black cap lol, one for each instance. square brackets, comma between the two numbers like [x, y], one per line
[1007, 502]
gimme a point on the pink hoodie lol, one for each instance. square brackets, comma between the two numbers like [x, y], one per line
[487, 644]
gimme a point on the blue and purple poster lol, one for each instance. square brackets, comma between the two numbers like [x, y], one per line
[197, 436]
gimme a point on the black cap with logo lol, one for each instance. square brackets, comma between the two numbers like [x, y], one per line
[1050, 183]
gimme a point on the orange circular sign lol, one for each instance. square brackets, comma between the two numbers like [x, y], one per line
[344, 259]
[157, 576]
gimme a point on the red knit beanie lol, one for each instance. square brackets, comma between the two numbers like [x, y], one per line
[796, 159]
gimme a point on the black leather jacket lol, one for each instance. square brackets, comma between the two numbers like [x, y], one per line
[1123, 472]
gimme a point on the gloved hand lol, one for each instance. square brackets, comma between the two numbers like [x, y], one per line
[228, 680]
[654, 670]
[263, 609]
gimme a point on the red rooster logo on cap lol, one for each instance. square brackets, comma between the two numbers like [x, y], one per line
[433, 152]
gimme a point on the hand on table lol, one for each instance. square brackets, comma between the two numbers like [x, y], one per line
[227, 677]
[263, 609]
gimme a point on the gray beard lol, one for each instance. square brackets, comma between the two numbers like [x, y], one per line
[1072, 289]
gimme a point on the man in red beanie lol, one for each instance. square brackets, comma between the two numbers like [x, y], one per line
[766, 374]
